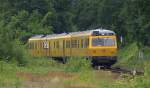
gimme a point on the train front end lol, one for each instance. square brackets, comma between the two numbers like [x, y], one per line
[103, 47]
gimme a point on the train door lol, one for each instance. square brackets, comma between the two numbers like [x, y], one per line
[67, 47]
[46, 47]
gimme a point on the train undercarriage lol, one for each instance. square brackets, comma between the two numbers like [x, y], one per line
[105, 61]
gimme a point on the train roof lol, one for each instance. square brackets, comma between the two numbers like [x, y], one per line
[73, 34]
[90, 32]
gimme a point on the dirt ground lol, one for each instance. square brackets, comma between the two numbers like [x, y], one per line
[57, 79]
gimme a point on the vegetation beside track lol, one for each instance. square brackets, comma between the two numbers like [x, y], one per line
[20, 19]
[76, 72]
[129, 58]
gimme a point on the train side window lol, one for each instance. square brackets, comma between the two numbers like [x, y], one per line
[82, 43]
[86, 43]
[74, 43]
[78, 43]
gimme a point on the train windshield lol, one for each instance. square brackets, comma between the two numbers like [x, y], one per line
[103, 42]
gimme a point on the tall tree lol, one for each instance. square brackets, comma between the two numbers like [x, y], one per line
[62, 17]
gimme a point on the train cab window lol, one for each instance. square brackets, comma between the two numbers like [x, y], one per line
[97, 42]
[109, 42]
[103, 42]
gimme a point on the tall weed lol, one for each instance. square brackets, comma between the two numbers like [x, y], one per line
[77, 64]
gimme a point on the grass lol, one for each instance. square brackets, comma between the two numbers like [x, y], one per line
[8, 71]
[128, 57]
[77, 71]
[8, 76]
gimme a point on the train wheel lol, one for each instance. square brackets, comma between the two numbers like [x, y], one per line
[64, 60]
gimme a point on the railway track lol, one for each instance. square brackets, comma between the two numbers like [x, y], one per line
[127, 71]
[120, 70]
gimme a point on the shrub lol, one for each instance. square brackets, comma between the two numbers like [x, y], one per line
[77, 64]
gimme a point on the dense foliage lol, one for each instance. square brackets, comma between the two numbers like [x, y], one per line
[20, 19]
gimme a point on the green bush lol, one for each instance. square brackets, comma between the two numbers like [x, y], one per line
[77, 64]
[128, 57]
[8, 77]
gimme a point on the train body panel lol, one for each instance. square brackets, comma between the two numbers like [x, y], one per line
[94, 43]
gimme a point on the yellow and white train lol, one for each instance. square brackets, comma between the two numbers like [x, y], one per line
[99, 45]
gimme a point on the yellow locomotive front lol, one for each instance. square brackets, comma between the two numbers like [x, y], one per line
[103, 47]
